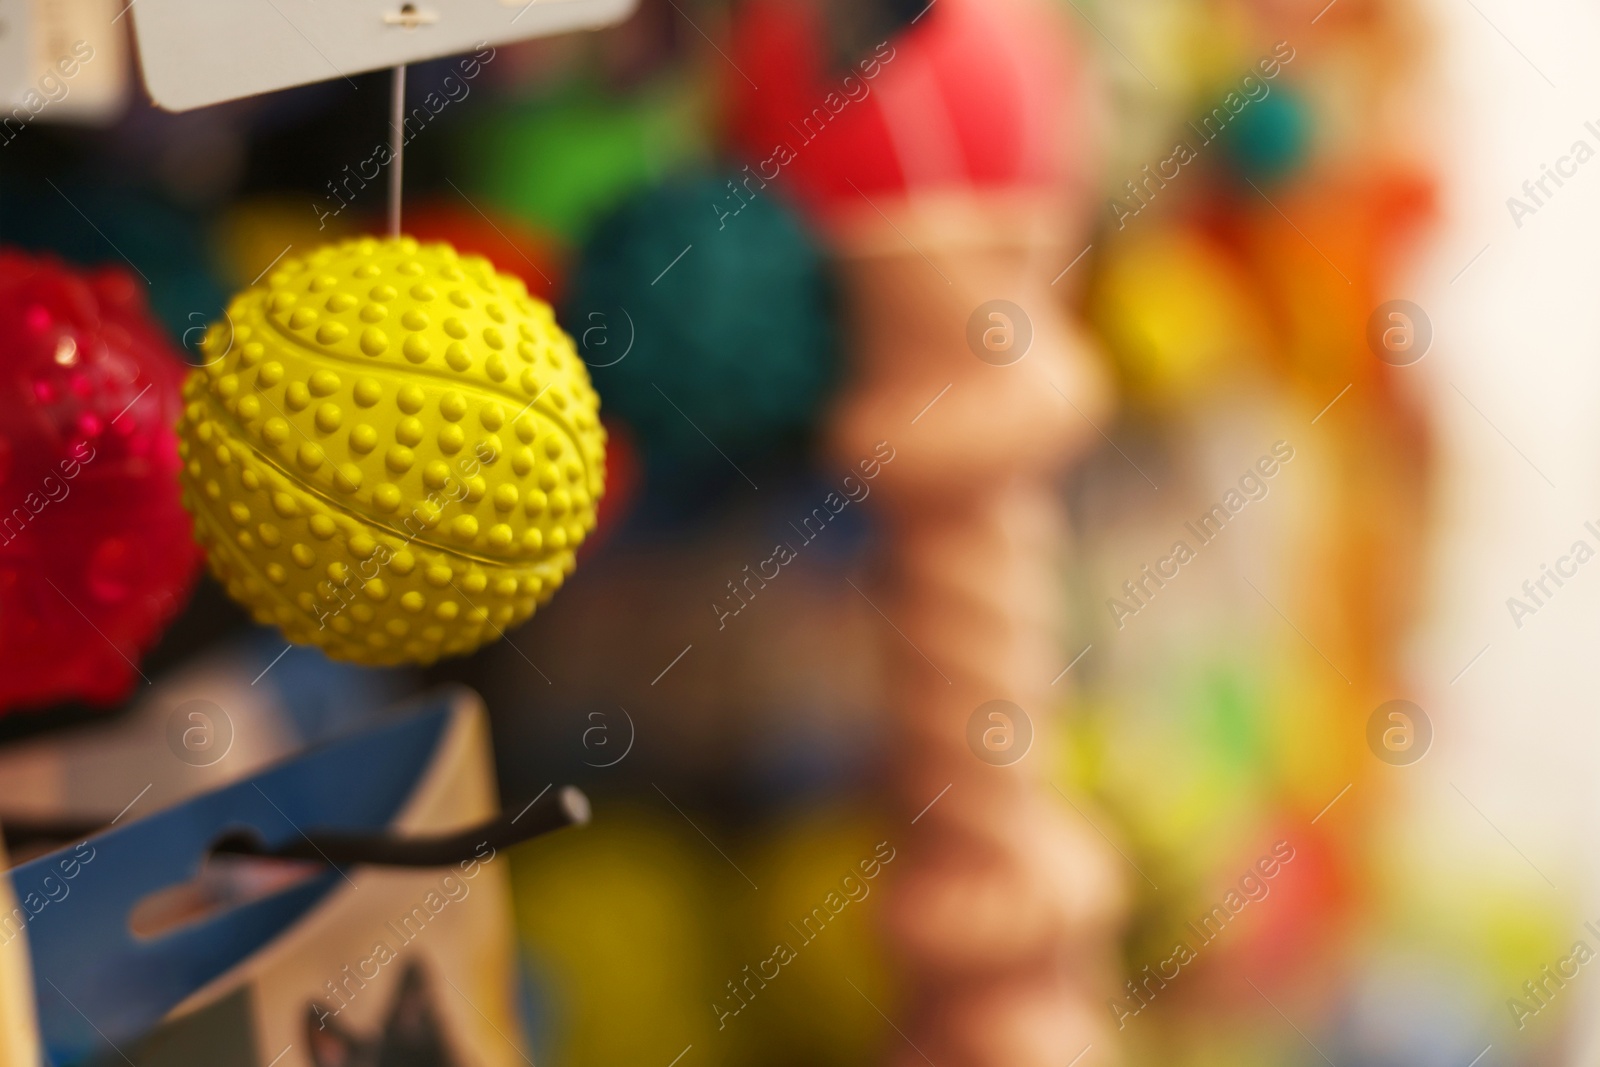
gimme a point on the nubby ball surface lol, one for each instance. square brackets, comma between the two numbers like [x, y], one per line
[391, 451]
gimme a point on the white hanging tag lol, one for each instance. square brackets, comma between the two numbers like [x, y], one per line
[199, 52]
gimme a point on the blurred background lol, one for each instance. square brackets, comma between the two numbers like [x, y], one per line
[1316, 281]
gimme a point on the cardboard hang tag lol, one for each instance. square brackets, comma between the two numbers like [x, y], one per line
[62, 61]
[199, 52]
[16, 30]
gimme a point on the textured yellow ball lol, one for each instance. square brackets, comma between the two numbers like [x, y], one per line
[391, 452]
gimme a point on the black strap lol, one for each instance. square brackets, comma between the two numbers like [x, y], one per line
[551, 810]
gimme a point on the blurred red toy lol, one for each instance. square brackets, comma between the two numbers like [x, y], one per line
[972, 96]
[511, 245]
[96, 552]
[624, 477]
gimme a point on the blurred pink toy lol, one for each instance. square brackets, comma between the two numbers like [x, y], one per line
[949, 170]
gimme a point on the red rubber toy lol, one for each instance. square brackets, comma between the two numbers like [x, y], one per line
[97, 554]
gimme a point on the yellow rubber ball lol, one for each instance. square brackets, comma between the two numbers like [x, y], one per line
[391, 451]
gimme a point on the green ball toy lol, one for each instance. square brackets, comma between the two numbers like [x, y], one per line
[609, 147]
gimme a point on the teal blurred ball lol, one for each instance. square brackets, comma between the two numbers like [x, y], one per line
[1270, 139]
[704, 310]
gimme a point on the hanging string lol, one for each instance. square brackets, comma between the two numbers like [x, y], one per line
[397, 144]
